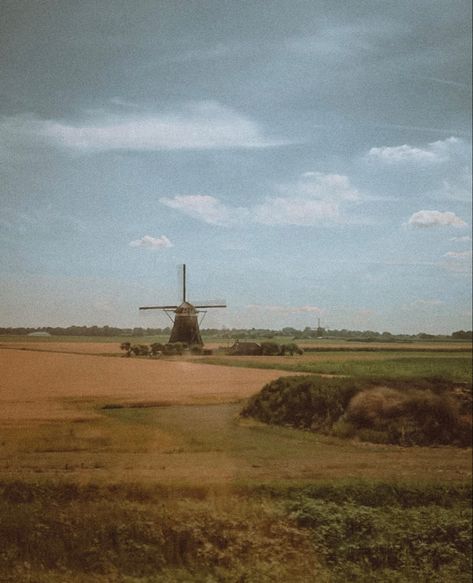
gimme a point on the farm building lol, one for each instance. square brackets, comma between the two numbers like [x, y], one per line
[245, 349]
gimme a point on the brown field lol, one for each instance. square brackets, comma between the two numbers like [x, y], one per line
[69, 347]
[49, 385]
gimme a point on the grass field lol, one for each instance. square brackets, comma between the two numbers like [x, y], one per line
[140, 470]
[457, 366]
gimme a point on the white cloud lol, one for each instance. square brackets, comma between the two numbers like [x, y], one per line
[316, 197]
[197, 126]
[286, 309]
[457, 261]
[434, 152]
[464, 239]
[426, 303]
[294, 211]
[313, 199]
[148, 242]
[426, 219]
[458, 254]
[205, 208]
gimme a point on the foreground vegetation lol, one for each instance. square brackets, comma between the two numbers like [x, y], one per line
[58, 532]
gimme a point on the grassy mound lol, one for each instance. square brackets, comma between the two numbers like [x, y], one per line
[430, 411]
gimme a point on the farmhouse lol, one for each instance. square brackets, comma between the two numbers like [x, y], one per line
[245, 349]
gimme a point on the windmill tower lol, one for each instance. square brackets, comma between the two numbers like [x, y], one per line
[186, 317]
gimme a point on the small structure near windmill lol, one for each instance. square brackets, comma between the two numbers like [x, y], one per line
[185, 317]
[245, 349]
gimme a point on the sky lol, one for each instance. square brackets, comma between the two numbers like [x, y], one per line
[307, 160]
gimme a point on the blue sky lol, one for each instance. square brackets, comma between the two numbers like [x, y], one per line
[305, 159]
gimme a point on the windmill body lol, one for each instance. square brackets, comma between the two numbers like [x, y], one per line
[186, 325]
[186, 317]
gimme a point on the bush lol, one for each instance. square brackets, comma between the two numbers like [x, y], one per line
[140, 349]
[270, 348]
[412, 417]
[156, 348]
[410, 412]
[352, 537]
[305, 402]
[291, 349]
[172, 348]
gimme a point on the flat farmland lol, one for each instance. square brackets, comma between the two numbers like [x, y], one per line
[136, 469]
[52, 385]
[90, 417]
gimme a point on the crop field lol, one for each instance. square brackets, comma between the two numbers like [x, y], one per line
[399, 363]
[141, 470]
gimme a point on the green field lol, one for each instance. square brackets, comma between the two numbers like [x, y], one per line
[361, 363]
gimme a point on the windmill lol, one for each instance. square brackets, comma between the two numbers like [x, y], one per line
[186, 316]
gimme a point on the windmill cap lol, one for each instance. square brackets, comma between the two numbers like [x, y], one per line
[186, 308]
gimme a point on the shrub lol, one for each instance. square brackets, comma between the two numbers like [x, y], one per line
[270, 348]
[140, 349]
[408, 418]
[172, 348]
[291, 348]
[156, 348]
[127, 347]
[305, 402]
[410, 412]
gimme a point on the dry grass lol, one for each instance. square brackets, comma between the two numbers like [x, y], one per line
[207, 445]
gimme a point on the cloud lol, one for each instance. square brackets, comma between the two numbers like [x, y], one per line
[286, 309]
[426, 303]
[198, 126]
[427, 219]
[148, 242]
[205, 208]
[435, 152]
[313, 199]
[458, 254]
[464, 239]
[457, 261]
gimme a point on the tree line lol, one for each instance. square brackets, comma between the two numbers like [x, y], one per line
[236, 333]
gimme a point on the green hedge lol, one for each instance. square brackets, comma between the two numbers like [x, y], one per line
[431, 411]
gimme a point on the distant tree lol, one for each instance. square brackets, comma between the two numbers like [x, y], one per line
[288, 331]
[463, 335]
[127, 347]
